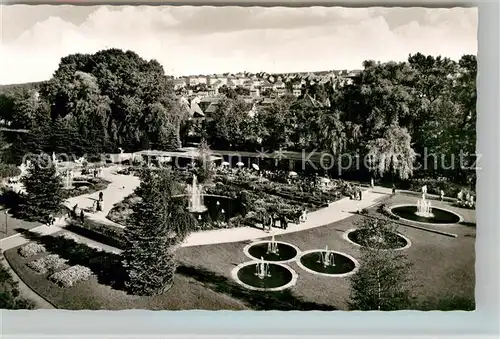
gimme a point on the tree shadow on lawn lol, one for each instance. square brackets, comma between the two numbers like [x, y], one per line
[279, 301]
[106, 266]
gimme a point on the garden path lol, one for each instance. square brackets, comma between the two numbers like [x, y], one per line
[120, 187]
[337, 210]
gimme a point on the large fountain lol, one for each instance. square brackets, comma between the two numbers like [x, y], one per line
[196, 200]
[423, 212]
[424, 208]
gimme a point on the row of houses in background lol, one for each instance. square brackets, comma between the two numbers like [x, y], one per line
[201, 108]
[261, 84]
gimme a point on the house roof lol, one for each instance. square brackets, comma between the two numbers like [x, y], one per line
[212, 107]
[196, 111]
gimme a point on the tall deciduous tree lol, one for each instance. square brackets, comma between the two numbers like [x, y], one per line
[393, 153]
[158, 224]
[204, 165]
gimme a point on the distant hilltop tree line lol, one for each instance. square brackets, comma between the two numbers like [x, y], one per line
[97, 103]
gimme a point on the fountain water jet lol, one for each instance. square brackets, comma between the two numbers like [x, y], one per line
[272, 246]
[326, 257]
[262, 269]
[424, 208]
[196, 200]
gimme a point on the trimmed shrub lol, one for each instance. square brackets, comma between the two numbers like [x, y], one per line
[106, 234]
[71, 275]
[31, 249]
[49, 263]
[69, 237]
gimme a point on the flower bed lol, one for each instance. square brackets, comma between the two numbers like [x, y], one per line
[70, 276]
[49, 263]
[434, 186]
[295, 191]
[69, 237]
[31, 249]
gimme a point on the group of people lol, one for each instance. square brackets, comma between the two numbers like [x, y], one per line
[96, 205]
[357, 194]
[465, 200]
[95, 172]
[51, 220]
[270, 221]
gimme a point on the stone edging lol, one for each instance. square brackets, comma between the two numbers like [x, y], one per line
[341, 275]
[292, 282]
[246, 250]
[408, 241]
[460, 218]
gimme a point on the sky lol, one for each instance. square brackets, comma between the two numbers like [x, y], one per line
[189, 40]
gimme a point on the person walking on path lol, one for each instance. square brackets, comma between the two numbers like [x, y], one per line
[284, 222]
[441, 195]
[393, 189]
[101, 195]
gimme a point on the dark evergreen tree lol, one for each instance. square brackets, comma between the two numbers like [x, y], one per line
[44, 190]
[158, 224]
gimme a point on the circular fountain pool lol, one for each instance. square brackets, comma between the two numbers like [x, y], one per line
[269, 250]
[390, 241]
[339, 264]
[277, 277]
[439, 216]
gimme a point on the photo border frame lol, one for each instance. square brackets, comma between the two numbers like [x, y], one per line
[482, 323]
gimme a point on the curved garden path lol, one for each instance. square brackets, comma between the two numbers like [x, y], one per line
[123, 185]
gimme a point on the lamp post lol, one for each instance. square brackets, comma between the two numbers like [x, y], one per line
[6, 220]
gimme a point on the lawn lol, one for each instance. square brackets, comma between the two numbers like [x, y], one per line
[9, 224]
[193, 288]
[443, 268]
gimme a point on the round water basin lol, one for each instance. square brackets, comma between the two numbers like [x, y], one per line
[341, 265]
[388, 241]
[439, 216]
[281, 252]
[278, 277]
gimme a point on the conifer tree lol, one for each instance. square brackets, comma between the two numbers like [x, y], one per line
[159, 223]
[383, 281]
[44, 190]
